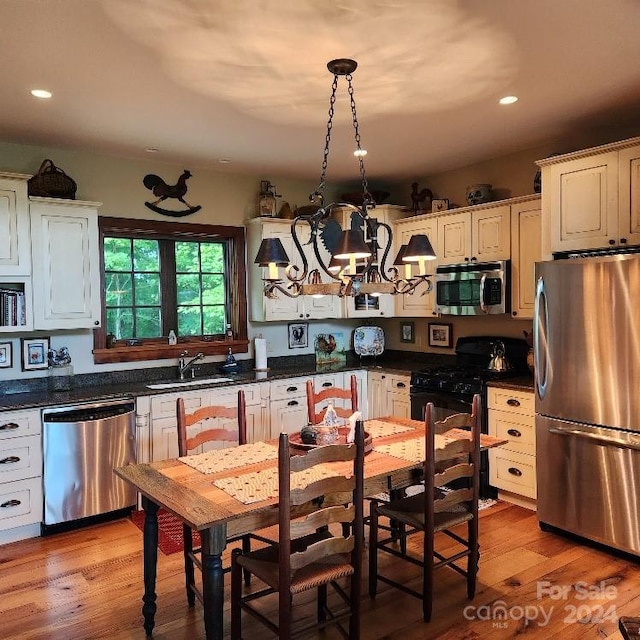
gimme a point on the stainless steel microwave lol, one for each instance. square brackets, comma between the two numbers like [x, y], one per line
[473, 288]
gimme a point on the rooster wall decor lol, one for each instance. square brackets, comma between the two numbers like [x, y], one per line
[163, 190]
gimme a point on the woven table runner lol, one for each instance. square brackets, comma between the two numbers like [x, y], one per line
[379, 429]
[263, 485]
[231, 457]
[410, 450]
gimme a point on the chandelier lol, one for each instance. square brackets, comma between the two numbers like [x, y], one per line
[358, 263]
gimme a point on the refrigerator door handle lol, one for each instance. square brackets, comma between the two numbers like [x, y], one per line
[540, 339]
[596, 438]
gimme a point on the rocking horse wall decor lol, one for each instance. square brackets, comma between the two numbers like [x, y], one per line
[163, 190]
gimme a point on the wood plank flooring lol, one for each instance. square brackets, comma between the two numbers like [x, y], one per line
[87, 584]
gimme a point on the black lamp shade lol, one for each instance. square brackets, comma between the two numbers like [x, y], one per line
[399, 258]
[351, 244]
[271, 251]
[419, 248]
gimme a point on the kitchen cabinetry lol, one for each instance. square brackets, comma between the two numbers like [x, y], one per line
[591, 198]
[15, 253]
[526, 250]
[481, 233]
[512, 467]
[389, 395]
[363, 398]
[164, 436]
[416, 305]
[66, 264]
[372, 306]
[21, 500]
[283, 308]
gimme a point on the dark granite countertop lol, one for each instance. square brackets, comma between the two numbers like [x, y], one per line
[522, 383]
[33, 393]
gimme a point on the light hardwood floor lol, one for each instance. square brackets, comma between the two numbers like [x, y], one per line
[88, 583]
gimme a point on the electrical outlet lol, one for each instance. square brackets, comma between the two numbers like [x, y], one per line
[269, 347]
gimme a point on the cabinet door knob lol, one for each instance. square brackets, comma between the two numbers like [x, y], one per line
[96, 323]
[515, 472]
[612, 242]
[512, 402]
[514, 313]
[514, 432]
[623, 241]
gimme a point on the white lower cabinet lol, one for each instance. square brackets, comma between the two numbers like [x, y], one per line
[21, 500]
[389, 395]
[512, 467]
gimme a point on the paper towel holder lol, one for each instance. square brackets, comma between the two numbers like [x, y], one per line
[264, 354]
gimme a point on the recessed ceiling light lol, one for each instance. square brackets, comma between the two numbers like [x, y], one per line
[360, 152]
[508, 100]
[152, 149]
[41, 93]
[224, 161]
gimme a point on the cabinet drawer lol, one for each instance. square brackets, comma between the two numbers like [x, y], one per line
[511, 400]
[20, 503]
[517, 428]
[19, 423]
[397, 383]
[513, 472]
[289, 388]
[20, 458]
[164, 406]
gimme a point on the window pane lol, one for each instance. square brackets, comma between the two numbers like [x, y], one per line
[117, 254]
[212, 289]
[213, 320]
[146, 255]
[189, 321]
[212, 256]
[120, 323]
[148, 322]
[187, 259]
[118, 291]
[147, 289]
[188, 287]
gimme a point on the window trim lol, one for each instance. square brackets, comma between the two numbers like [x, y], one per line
[158, 349]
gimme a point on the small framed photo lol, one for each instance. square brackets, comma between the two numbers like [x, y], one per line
[34, 353]
[440, 334]
[439, 205]
[6, 355]
[298, 335]
[407, 332]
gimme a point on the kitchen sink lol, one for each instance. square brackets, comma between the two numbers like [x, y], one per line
[178, 384]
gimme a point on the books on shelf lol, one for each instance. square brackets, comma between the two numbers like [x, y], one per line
[12, 308]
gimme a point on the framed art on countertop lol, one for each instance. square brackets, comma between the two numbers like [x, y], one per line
[6, 355]
[34, 353]
[440, 334]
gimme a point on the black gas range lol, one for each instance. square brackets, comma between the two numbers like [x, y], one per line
[452, 385]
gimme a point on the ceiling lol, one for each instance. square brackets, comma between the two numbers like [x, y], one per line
[245, 81]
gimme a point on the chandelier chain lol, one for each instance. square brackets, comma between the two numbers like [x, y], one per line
[327, 139]
[363, 175]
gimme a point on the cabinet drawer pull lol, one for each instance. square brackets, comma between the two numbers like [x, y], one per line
[11, 503]
[292, 403]
[401, 385]
[515, 433]
[327, 384]
[9, 425]
[10, 460]
[291, 389]
[514, 471]
[512, 402]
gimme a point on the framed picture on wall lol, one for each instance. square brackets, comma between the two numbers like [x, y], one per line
[407, 332]
[440, 334]
[6, 355]
[298, 335]
[34, 353]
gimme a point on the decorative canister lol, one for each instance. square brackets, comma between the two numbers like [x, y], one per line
[478, 193]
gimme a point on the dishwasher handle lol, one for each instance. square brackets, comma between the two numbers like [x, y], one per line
[89, 413]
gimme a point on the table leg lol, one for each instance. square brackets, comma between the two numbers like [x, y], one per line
[214, 540]
[150, 559]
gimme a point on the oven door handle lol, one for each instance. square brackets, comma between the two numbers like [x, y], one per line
[622, 443]
[483, 282]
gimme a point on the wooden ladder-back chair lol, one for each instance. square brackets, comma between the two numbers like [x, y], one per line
[313, 551]
[451, 478]
[315, 415]
[230, 426]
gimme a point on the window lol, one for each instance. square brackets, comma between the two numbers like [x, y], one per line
[159, 276]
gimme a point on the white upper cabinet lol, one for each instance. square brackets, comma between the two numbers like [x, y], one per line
[66, 264]
[15, 246]
[591, 198]
[482, 234]
[418, 304]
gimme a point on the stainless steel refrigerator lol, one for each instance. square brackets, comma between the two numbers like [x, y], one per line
[587, 382]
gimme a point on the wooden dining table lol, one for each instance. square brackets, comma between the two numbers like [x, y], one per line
[192, 496]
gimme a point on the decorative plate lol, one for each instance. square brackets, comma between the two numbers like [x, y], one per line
[368, 341]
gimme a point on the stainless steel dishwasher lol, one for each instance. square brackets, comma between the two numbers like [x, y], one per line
[81, 446]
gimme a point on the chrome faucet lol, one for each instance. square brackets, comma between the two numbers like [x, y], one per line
[184, 365]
